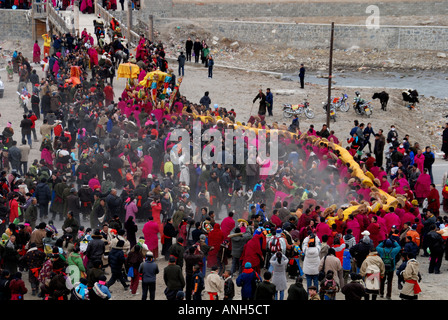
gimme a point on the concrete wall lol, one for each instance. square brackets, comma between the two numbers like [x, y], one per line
[318, 35]
[224, 9]
[158, 8]
[15, 25]
[303, 35]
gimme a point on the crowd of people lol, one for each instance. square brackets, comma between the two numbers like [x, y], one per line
[106, 163]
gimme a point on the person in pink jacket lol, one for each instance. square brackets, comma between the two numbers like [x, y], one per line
[323, 228]
[131, 207]
[422, 186]
[419, 159]
[150, 233]
[392, 219]
[227, 224]
[353, 224]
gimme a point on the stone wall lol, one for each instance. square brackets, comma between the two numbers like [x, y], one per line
[311, 36]
[224, 9]
[158, 8]
[15, 24]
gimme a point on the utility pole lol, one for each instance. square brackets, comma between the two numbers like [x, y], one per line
[129, 16]
[76, 17]
[33, 20]
[330, 75]
[151, 28]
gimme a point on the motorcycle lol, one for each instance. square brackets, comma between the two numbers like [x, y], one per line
[361, 106]
[332, 110]
[290, 110]
[341, 103]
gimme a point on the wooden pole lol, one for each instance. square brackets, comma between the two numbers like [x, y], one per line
[129, 15]
[330, 75]
[76, 16]
[151, 28]
[33, 20]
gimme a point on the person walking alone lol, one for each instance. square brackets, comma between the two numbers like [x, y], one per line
[181, 60]
[149, 270]
[302, 76]
[269, 101]
[211, 63]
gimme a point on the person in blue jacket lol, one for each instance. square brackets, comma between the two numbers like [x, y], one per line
[388, 250]
[247, 280]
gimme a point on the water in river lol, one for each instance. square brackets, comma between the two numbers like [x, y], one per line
[427, 83]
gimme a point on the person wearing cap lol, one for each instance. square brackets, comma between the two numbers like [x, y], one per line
[173, 279]
[246, 280]
[95, 249]
[360, 250]
[410, 247]
[149, 270]
[312, 292]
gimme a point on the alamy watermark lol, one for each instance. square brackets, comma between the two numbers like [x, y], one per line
[262, 147]
[373, 21]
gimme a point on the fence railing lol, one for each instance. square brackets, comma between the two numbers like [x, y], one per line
[107, 17]
[57, 19]
[39, 10]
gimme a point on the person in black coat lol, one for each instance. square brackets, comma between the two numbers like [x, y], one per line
[188, 48]
[361, 250]
[131, 230]
[302, 76]
[114, 203]
[95, 249]
[197, 48]
[354, 290]
[116, 262]
[168, 233]
[445, 142]
[45, 104]
[435, 245]
[262, 105]
[43, 196]
[296, 290]
[265, 289]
